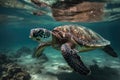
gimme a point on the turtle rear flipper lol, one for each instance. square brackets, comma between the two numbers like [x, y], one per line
[109, 50]
[73, 60]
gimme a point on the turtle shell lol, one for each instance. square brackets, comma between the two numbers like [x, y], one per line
[82, 35]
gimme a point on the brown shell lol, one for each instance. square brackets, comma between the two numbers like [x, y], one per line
[82, 35]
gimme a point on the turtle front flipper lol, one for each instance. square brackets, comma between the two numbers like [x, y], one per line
[73, 60]
[40, 49]
[109, 50]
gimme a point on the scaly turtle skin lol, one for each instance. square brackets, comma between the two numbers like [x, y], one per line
[71, 39]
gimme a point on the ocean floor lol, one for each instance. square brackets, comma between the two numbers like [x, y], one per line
[52, 66]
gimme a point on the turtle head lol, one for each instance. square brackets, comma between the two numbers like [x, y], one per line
[40, 34]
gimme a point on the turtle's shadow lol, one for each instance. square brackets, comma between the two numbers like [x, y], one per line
[105, 73]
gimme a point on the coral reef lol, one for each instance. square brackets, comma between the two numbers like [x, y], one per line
[9, 67]
[9, 70]
[13, 72]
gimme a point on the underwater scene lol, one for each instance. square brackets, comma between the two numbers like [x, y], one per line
[59, 39]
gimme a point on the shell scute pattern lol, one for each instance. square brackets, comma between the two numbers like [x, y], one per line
[82, 35]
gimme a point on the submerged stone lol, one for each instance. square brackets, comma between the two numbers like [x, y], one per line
[23, 51]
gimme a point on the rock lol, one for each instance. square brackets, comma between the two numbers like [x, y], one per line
[23, 51]
[4, 59]
[13, 72]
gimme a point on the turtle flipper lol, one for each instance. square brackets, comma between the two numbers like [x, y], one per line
[73, 60]
[109, 50]
[40, 49]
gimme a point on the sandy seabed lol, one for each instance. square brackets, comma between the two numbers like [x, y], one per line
[52, 66]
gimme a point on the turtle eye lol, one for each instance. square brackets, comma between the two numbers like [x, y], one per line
[40, 33]
[35, 34]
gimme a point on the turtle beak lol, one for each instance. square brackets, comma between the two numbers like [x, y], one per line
[31, 33]
[30, 37]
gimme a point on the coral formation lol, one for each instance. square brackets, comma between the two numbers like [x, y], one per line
[13, 72]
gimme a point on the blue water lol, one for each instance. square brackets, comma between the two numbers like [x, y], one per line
[15, 26]
[15, 33]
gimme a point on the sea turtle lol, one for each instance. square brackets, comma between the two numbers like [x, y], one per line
[71, 39]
